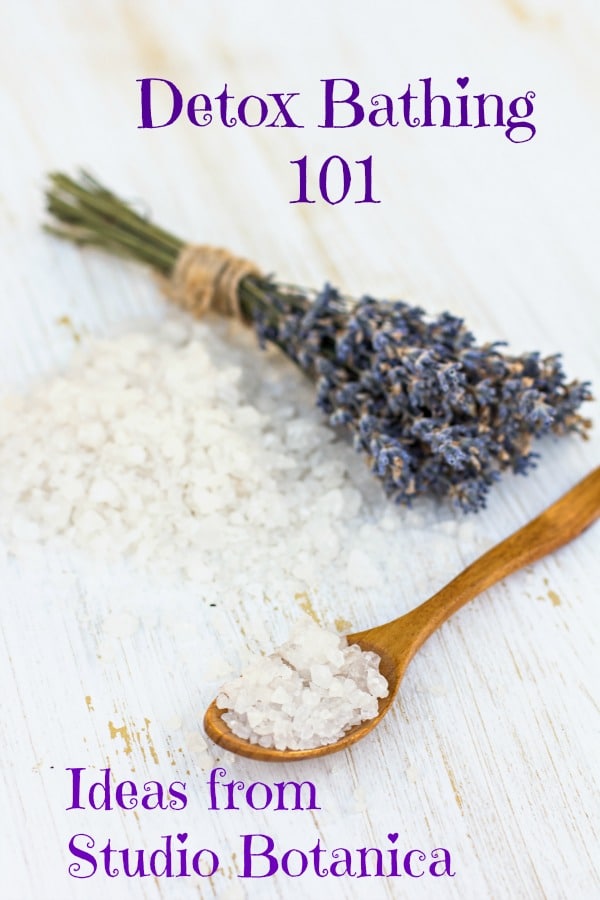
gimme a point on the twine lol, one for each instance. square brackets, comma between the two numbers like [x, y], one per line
[206, 279]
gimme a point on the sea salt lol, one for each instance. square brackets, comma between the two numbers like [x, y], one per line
[184, 449]
[307, 694]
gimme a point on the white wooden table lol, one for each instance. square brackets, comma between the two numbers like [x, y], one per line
[492, 749]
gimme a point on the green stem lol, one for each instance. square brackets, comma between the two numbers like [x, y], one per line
[91, 214]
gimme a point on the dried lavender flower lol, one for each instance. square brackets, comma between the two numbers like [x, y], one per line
[434, 413]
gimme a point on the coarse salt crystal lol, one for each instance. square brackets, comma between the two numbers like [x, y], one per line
[321, 700]
[103, 490]
[91, 434]
[25, 530]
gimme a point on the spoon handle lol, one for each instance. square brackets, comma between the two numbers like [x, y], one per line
[556, 526]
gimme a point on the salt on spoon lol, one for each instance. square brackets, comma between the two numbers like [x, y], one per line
[397, 642]
[306, 694]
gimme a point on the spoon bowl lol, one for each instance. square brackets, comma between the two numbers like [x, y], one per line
[397, 641]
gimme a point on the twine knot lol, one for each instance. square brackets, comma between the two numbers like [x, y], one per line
[206, 279]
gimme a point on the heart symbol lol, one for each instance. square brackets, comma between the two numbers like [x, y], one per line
[393, 837]
[182, 837]
[462, 82]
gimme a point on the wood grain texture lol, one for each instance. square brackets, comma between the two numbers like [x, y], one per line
[491, 749]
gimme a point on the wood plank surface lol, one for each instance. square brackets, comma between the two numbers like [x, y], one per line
[492, 748]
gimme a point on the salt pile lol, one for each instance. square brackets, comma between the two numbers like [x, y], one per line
[307, 694]
[187, 451]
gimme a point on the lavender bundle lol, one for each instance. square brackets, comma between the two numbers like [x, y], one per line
[434, 413]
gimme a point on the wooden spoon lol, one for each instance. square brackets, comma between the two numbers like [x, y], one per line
[398, 641]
